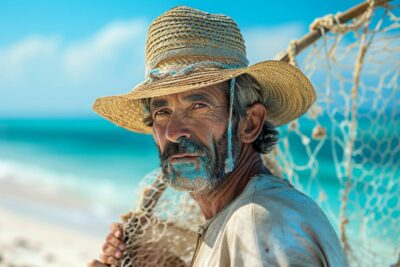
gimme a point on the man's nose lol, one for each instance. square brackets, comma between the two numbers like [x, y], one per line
[176, 129]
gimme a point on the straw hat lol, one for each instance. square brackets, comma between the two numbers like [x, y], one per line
[188, 49]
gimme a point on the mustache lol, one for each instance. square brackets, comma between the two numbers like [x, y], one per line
[183, 146]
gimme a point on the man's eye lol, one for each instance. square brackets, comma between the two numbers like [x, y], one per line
[199, 105]
[160, 112]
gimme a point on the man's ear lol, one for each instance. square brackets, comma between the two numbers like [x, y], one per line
[251, 126]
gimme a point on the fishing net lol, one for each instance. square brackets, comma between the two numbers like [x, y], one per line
[163, 230]
[344, 153]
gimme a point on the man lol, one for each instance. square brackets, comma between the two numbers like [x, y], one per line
[212, 117]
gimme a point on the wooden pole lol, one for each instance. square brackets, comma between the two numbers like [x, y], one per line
[314, 35]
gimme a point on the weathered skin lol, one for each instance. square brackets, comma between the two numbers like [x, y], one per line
[205, 124]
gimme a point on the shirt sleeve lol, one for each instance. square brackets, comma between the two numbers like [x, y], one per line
[272, 236]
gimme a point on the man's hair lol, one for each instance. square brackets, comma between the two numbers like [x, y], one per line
[247, 93]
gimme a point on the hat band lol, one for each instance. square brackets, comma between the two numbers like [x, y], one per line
[156, 74]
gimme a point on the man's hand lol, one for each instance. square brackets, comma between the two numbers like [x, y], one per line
[112, 248]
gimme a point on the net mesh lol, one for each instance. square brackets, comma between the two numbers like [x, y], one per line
[163, 229]
[344, 152]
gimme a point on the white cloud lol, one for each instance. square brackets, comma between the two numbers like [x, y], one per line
[15, 58]
[103, 46]
[45, 75]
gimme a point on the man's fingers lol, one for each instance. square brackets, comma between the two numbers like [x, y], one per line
[115, 242]
[115, 226]
[108, 260]
[113, 247]
[95, 263]
[110, 251]
[116, 230]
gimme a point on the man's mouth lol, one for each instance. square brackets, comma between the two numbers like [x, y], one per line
[183, 157]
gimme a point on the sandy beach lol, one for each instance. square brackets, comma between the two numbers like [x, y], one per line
[43, 227]
[25, 241]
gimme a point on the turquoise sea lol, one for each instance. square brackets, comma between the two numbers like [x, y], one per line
[90, 160]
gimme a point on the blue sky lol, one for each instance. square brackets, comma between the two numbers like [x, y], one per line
[56, 57]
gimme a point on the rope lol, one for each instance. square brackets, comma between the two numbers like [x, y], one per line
[353, 132]
[333, 24]
[292, 53]
[156, 74]
[229, 160]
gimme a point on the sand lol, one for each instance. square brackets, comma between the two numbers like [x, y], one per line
[41, 229]
[25, 241]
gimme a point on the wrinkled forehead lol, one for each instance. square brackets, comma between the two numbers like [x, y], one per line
[215, 94]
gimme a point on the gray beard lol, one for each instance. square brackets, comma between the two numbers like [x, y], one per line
[212, 163]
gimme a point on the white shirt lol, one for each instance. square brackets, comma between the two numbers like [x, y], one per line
[270, 224]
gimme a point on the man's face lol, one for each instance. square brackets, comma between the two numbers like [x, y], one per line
[190, 131]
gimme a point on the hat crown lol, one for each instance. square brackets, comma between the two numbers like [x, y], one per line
[184, 36]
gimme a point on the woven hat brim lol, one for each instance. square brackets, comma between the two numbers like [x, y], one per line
[289, 93]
